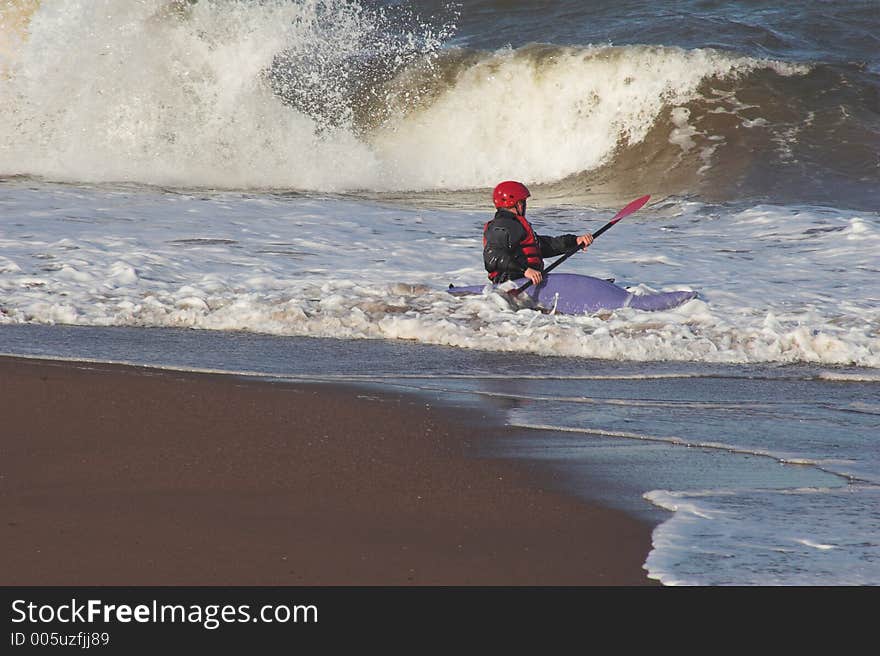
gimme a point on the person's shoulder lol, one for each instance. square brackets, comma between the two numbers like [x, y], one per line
[504, 219]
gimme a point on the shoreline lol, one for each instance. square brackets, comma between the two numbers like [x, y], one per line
[127, 475]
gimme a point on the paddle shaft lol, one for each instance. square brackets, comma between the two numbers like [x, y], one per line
[637, 204]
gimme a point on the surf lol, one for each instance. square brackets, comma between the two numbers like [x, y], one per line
[331, 96]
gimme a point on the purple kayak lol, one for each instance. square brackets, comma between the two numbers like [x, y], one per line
[570, 293]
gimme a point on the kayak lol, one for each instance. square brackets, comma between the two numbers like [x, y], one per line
[570, 293]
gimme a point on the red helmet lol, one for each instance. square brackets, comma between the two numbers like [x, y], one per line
[509, 193]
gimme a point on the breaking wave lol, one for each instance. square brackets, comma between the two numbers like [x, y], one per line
[333, 96]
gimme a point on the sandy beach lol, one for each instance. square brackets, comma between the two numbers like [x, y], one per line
[115, 475]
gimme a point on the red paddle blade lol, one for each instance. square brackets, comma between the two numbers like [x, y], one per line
[634, 206]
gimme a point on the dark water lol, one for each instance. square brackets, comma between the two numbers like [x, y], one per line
[810, 31]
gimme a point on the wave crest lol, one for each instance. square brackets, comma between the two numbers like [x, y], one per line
[326, 95]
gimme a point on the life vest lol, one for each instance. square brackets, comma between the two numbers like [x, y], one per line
[529, 246]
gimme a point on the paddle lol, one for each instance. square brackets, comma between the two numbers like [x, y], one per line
[635, 205]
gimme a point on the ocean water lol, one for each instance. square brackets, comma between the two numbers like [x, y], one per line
[281, 172]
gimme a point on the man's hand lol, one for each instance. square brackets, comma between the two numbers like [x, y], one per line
[584, 241]
[534, 275]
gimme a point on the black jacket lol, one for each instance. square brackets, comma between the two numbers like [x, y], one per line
[502, 252]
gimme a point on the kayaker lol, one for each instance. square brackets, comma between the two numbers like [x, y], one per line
[511, 248]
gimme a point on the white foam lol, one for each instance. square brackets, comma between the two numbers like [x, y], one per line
[766, 537]
[682, 134]
[816, 545]
[228, 262]
[103, 90]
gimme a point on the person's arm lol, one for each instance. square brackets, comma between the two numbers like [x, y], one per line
[553, 246]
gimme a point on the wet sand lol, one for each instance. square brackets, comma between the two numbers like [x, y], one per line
[115, 475]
